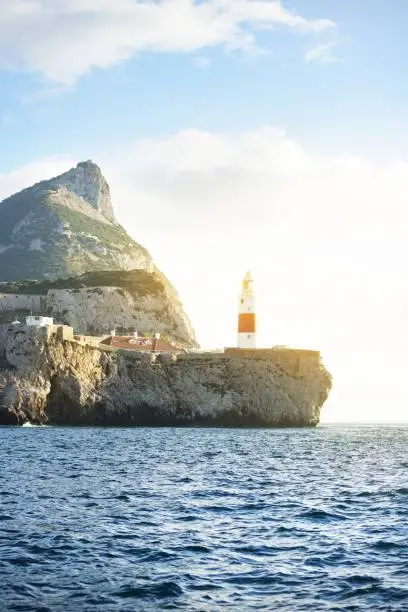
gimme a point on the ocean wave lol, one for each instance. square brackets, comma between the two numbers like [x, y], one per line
[134, 519]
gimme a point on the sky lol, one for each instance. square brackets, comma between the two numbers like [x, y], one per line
[235, 135]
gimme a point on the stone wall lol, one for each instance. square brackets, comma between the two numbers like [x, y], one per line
[89, 340]
[64, 332]
[12, 302]
[296, 362]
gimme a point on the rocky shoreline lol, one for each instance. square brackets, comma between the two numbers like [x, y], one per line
[59, 382]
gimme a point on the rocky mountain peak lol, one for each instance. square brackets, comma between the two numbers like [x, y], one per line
[87, 182]
[65, 226]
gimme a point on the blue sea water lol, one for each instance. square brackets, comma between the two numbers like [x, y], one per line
[204, 519]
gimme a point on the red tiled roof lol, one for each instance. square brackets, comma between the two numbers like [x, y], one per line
[140, 344]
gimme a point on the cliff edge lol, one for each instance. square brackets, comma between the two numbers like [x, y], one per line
[64, 383]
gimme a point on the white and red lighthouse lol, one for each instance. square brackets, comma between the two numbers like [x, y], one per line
[246, 316]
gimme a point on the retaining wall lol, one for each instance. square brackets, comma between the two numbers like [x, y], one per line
[296, 362]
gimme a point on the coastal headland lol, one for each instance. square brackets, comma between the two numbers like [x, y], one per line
[93, 333]
[63, 382]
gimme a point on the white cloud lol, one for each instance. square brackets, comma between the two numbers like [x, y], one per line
[324, 236]
[31, 173]
[322, 54]
[266, 171]
[63, 39]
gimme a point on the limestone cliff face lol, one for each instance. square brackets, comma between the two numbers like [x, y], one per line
[64, 383]
[96, 303]
[102, 309]
[87, 182]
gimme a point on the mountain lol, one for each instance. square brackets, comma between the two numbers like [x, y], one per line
[62, 253]
[63, 227]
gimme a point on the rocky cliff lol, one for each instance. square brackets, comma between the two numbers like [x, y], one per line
[97, 302]
[61, 382]
[65, 226]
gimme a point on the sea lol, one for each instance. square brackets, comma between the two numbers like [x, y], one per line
[120, 519]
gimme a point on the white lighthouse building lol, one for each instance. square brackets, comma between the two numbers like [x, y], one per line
[246, 315]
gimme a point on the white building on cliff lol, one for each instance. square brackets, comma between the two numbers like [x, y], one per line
[39, 321]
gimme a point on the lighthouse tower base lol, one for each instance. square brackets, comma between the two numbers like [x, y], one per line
[246, 340]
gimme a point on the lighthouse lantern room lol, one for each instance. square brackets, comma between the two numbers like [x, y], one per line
[246, 316]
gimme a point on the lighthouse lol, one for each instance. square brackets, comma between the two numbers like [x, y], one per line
[246, 315]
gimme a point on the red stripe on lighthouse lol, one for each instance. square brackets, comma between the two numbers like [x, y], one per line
[246, 323]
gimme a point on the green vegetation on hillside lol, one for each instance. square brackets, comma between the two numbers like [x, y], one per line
[13, 210]
[112, 235]
[35, 215]
[8, 316]
[137, 282]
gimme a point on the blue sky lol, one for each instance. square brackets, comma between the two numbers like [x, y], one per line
[237, 134]
[354, 104]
